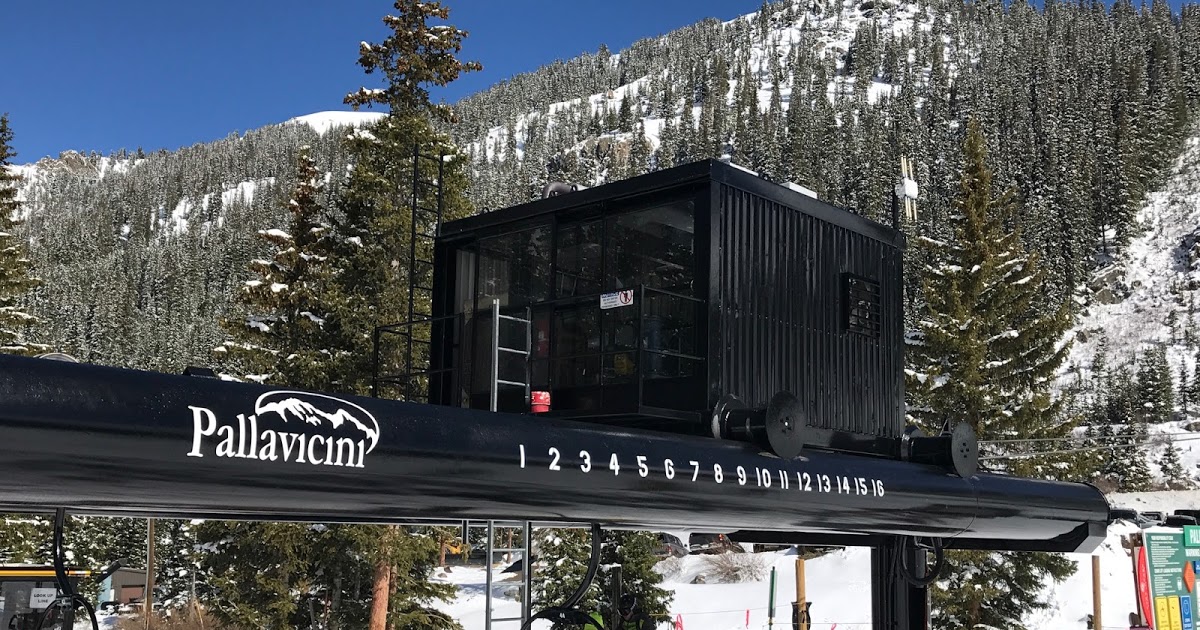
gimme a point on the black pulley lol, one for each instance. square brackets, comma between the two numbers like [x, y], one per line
[957, 449]
[780, 428]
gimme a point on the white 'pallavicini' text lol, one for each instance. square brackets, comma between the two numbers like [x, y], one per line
[245, 441]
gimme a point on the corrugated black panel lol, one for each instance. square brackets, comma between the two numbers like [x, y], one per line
[810, 308]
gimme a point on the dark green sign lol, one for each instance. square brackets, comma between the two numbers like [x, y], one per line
[1173, 567]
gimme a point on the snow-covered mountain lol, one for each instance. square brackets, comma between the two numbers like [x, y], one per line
[828, 29]
[1145, 298]
[1156, 275]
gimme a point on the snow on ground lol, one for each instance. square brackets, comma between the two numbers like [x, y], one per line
[241, 193]
[1167, 501]
[322, 122]
[838, 585]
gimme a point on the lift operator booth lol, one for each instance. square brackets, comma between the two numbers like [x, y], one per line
[695, 347]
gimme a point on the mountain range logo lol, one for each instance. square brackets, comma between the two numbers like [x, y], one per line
[290, 426]
[318, 410]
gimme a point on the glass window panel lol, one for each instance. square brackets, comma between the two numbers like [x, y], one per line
[654, 247]
[514, 268]
[577, 346]
[579, 259]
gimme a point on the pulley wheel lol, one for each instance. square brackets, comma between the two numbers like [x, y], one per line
[964, 450]
[786, 425]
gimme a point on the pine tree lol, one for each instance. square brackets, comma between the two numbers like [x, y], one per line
[625, 113]
[374, 284]
[988, 345]
[1128, 465]
[1155, 392]
[562, 562]
[634, 552]
[1172, 468]
[1185, 391]
[985, 351]
[283, 337]
[15, 277]
[253, 572]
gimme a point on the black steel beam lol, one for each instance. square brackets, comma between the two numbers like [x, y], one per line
[897, 604]
[110, 441]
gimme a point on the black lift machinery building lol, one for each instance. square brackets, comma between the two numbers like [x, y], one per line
[653, 302]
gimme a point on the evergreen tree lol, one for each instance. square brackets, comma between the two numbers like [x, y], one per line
[988, 345]
[1185, 391]
[15, 277]
[374, 284]
[625, 113]
[253, 572]
[1172, 468]
[1128, 465]
[282, 338]
[985, 351]
[1155, 392]
[562, 562]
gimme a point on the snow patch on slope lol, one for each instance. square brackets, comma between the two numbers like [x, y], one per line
[241, 193]
[322, 122]
[1159, 271]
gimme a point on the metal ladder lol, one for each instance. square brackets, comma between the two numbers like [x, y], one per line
[496, 381]
[526, 585]
[426, 204]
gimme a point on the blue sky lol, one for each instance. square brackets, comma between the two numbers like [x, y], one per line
[101, 76]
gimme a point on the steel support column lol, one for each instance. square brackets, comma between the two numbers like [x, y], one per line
[896, 604]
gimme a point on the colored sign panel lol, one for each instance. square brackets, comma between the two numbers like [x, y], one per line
[1172, 579]
[1145, 602]
[1191, 535]
[616, 299]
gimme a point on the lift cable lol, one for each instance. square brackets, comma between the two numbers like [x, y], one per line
[1119, 436]
[566, 613]
[67, 595]
[1068, 451]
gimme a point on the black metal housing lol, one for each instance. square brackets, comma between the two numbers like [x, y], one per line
[201, 447]
[740, 287]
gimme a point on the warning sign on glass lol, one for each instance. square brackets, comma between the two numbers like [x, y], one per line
[616, 299]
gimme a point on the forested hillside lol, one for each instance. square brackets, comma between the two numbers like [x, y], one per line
[139, 253]
[1082, 108]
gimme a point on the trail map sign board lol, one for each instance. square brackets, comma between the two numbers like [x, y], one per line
[1173, 567]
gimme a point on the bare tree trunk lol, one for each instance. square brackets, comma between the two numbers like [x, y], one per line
[148, 595]
[381, 591]
[335, 605]
[380, 595]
